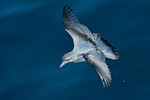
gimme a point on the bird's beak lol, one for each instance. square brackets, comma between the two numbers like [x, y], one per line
[63, 63]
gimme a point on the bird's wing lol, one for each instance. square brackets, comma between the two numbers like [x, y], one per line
[97, 60]
[105, 47]
[69, 16]
[72, 25]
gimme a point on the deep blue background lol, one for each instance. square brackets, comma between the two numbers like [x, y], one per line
[33, 41]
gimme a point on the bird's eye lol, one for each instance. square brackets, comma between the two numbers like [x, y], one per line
[67, 59]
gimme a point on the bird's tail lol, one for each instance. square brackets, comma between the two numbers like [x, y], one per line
[105, 47]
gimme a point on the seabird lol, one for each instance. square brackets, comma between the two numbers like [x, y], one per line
[89, 47]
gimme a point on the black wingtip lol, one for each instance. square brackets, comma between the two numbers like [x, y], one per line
[112, 47]
[69, 16]
[66, 9]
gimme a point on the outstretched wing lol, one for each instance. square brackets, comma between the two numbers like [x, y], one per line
[97, 60]
[75, 29]
[105, 47]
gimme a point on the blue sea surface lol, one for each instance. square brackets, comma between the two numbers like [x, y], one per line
[33, 41]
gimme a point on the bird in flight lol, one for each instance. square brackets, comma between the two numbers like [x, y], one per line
[90, 47]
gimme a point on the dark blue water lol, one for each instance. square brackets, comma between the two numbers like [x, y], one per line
[33, 41]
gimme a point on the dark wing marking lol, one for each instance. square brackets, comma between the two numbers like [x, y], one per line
[105, 47]
[74, 28]
[97, 60]
[69, 16]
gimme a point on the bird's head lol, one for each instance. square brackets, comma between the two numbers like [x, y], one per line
[67, 58]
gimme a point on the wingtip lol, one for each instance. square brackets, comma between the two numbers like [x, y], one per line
[106, 84]
[116, 55]
[65, 8]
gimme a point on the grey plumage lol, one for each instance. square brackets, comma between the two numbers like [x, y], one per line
[97, 60]
[89, 47]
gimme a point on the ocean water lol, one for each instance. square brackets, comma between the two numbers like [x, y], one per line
[33, 41]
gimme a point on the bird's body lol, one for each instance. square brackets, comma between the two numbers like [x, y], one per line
[87, 46]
